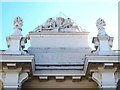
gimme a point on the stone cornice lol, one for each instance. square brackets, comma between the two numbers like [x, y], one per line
[16, 58]
[58, 33]
[115, 59]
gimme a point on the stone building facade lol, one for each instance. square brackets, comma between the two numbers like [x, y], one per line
[59, 57]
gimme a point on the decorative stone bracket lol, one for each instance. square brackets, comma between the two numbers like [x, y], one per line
[106, 78]
[13, 79]
[15, 70]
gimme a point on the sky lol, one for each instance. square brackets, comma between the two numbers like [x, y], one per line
[83, 12]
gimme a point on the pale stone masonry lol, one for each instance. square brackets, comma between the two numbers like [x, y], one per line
[59, 51]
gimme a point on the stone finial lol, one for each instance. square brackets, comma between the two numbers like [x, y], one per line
[18, 23]
[103, 42]
[16, 42]
[100, 23]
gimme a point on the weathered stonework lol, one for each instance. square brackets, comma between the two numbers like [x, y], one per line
[59, 57]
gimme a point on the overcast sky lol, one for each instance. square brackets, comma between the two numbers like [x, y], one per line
[83, 12]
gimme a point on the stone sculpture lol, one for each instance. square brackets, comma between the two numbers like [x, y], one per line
[38, 28]
[50, 24]
[103, 42]
[18, 23]
[58, 24]
[67, 23]
[100, 23]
